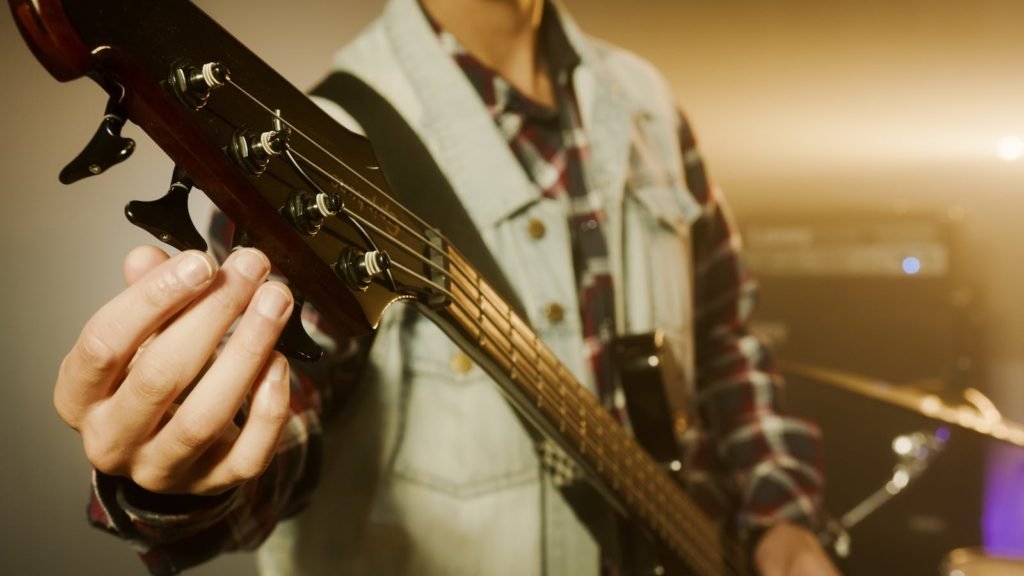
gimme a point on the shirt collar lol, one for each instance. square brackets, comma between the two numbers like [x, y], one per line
[497, 93]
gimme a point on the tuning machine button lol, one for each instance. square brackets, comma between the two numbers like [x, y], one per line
[106, 148]
[168, 218]
[294, 341]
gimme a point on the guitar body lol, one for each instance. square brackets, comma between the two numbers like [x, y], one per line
[655, 399]
[311, 195]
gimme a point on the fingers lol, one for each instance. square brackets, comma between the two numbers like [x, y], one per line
[257, 444]
[110, 338]
[173, 360]
[234, 456]
[811, 564]
[790, 550]
[212, 404]
[120, 395]
[141, 260]
[235, 461]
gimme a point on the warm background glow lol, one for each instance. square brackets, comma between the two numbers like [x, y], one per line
[867, 105]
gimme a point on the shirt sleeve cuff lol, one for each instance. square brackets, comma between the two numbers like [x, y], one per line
[123, 507]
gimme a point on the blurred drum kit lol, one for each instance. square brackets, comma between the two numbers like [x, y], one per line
[914, 454]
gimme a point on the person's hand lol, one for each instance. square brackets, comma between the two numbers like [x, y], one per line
[790, 550]
[127, 384]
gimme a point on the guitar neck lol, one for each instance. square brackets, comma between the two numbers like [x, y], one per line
[547, 395]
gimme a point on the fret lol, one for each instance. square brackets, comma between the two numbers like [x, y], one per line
[463, 274]
[492, 339]
[481, 319]
[512, 343]
[583, 438]
[465, 294]
[493, 300]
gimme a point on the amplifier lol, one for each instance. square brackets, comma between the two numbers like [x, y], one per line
[879, 297]
[882, 298]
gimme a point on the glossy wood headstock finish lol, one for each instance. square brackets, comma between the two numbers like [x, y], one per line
[132, 48]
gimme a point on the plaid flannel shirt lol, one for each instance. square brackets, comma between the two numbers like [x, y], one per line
[747, 455]
[745, 452]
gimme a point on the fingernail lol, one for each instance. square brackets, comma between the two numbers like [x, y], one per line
[274, 391]
[194, 269]
[277, 369]
[273, 302]
[252, 264]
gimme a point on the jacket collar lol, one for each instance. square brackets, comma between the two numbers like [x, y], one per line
[460, 131]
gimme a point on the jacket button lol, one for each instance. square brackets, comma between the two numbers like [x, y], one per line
[554, 313]
[535, 228]
[461, 363]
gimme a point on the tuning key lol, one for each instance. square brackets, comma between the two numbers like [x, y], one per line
[295, 342]
[168, 218]
[106, 148]
[240, 238]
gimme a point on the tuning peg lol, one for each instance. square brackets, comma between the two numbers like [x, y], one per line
[106, 148]
[168, 218]
[295, 342]
[240, 238]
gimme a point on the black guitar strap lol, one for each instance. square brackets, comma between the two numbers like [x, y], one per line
[415, 178]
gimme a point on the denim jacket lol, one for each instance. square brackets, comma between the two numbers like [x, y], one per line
[428, 471]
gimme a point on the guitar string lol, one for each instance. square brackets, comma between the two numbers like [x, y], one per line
[400, 223]
[478, 326]
[276, 115]
[640, 494]
[635, 486]
[576, 402]
[456, 264]
[512, 347]
[390, 238]
[600, 427]
[329, 154]
[636, 492]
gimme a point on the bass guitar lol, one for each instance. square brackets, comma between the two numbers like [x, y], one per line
[309, 193]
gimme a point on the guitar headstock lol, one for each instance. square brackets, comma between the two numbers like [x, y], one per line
[296, 184]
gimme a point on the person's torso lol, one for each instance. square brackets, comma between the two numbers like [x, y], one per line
[428, 470]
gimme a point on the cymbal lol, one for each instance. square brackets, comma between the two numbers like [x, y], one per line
[979, 414]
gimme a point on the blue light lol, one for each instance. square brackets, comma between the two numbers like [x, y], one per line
[911, 265]
[1002, 524]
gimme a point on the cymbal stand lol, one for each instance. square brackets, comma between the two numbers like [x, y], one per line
[914, 453]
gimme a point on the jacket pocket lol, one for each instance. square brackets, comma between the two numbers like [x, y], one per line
[657, 261]
[458, 433]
